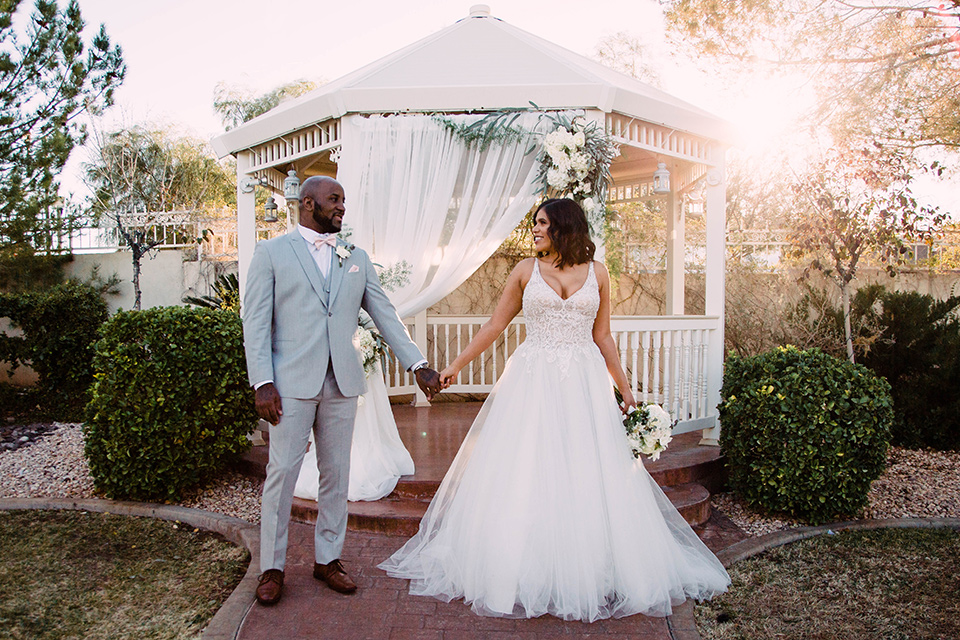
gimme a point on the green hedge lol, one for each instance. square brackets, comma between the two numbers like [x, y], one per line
[918, 352]
[59, 326]
[804, 433]
[170, 403]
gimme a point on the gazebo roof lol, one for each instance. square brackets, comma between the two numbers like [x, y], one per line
[480, 63]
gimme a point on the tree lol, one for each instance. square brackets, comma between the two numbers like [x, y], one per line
[236, 106]
[140, 168]
[885, 72]
[851, 211]
[46, 82]
[625, 53]
[146, 172]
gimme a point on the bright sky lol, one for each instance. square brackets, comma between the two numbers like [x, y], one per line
[177, 51]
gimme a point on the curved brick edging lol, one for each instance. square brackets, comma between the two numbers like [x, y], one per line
[752, 546]
[225, 624]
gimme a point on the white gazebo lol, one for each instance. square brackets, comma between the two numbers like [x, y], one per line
[482, 64]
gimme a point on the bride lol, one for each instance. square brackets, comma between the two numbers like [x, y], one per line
[544, 509]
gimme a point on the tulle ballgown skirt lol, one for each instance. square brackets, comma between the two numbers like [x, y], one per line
[545, 511]
[377, 455]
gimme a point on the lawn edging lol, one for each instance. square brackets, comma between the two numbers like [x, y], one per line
[225, 624]
[752, 546]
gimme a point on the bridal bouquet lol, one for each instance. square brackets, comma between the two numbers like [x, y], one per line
[649, 430]
[370, 345]
[368, 342]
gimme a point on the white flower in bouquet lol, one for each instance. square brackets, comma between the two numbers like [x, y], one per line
[370, 347]
[581, 163]
[557, 179]
[649, 430]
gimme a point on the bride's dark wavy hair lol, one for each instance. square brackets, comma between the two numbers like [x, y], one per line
[569, 231]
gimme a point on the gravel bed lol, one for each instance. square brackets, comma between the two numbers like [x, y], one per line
[915, 484]
[54, 467]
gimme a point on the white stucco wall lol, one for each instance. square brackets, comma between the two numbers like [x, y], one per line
[165, 277]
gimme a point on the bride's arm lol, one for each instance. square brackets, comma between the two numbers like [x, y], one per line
[604, 338]
[511, 301]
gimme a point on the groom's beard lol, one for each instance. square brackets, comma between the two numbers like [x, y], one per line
[325, 224]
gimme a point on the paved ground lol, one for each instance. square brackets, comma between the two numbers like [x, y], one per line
[382, 608]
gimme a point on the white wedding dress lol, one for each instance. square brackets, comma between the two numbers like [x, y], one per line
[544, 509]
[377, 455]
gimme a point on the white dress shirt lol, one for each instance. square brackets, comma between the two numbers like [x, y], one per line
[322, 256]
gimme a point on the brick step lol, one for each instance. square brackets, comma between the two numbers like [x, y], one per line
[687, 472]
[683, 463]
[399, 516]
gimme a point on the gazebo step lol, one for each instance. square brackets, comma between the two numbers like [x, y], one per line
[397, 516]
[683, 462]
[687, 472]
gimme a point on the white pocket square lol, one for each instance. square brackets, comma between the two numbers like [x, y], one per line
[354, 269]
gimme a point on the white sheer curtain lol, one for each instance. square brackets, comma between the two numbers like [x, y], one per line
[416, 192]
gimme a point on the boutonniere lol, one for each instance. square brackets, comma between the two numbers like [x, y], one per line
[343, 252]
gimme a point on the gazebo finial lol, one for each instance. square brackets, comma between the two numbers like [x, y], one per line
[480, 11]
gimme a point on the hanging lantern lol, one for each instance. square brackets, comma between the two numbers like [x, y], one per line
[661, 179]
[270, 210]
[291, 186]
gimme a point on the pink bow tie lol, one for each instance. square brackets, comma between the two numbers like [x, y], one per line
[330, 240]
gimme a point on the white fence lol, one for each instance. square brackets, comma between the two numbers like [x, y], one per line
[170, 230]
[665, 357]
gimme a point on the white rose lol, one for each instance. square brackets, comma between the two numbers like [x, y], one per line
[588, 205]
[556, 179]
[658, 416]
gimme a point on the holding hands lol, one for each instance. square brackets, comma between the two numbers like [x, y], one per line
[447, 376]
[429, 381]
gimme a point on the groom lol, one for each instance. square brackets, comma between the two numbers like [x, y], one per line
[303, 294]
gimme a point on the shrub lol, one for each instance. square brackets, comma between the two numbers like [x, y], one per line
[170, 403]
[918, 352]
[59, 326]
[803, 432]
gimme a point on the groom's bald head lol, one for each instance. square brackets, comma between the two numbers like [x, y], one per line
[321, 204]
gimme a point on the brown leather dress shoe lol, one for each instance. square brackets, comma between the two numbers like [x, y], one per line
[335, 576]
[271, 586]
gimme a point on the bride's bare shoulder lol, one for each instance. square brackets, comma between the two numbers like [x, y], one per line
[601, 270]
[523, 271]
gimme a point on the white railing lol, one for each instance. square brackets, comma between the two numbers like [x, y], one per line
[665, 357]
[170, 229]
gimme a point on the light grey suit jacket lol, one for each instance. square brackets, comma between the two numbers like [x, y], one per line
[295, 322]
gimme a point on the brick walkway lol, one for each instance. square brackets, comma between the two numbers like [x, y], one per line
[383, 610]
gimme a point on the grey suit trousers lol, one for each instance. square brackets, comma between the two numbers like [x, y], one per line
[331, 415]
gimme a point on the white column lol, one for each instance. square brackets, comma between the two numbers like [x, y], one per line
[715, 267]
[246, 221]
[676, 237]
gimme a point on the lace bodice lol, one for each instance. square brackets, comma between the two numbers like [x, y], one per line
[561, 328]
